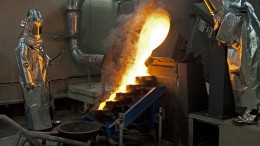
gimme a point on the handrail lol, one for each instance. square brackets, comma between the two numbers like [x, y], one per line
[33, 135]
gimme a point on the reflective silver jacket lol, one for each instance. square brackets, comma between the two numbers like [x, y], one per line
[32, 65]
[239, 28]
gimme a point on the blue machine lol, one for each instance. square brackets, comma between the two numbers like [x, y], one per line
[152, 99]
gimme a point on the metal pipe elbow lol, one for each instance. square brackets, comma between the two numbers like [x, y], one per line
[82, 58]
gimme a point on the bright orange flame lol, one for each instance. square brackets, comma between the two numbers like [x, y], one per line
[153, 33]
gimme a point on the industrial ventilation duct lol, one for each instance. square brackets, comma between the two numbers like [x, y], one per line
[73, 14]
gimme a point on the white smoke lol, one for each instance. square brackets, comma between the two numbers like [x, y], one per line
[121, 44]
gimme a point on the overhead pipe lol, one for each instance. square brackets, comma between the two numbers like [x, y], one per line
[73, 14]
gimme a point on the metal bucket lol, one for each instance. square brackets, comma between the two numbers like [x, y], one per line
[79, 130]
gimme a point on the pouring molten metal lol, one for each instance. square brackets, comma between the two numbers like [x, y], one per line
[154, 31]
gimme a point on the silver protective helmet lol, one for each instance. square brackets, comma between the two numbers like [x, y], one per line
[32, 25]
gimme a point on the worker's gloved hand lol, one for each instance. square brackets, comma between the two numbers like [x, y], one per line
[29, 86]
[49, 63]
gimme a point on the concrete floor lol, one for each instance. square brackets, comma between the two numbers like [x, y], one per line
[229, 134]
[131, 138]
[233, 135]
[8, 132]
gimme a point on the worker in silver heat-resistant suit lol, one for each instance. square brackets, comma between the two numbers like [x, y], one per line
[33, 75]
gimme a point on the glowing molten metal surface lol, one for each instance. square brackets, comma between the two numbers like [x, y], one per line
[153, 33]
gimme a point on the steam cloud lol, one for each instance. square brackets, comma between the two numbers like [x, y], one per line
[121, 42]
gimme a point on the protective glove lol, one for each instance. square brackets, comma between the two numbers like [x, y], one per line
[29, 86]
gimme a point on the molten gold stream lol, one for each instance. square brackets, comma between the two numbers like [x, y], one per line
[154, 31]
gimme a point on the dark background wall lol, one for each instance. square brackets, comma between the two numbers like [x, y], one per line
[98, 17]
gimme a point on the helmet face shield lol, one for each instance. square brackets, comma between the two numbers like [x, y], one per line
[33, 24]
[37, 32]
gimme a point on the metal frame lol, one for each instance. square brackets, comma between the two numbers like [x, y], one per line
[141, 105]
[152, 98]
[32, 136]
[201, 118]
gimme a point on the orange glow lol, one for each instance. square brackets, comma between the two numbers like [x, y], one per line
[153, 33]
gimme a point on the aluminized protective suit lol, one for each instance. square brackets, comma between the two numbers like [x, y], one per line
[239, 28]
[33, 75]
